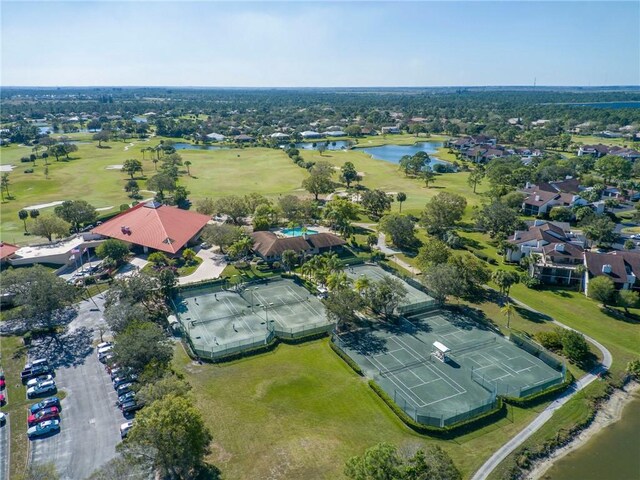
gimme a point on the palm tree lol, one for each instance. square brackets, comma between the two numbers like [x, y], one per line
[401, 197]
[23, 215]
[362, 284]
[188, 164]
[155, 164]
[337, 280]
[580, 270]
[508, 310]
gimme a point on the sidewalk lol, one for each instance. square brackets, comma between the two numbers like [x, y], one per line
[211, 267]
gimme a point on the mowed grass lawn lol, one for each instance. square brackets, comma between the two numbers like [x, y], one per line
[214, 173]
[300, 412]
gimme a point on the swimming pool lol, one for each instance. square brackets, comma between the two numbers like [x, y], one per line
[297, 232]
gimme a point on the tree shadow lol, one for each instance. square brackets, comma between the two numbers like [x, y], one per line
[364, 342]
[208, 472]
[620, 316]
[530, 316]
[560, 293]
[67, 350]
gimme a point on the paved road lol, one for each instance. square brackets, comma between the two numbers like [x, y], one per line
[547, 413]
[89, 419]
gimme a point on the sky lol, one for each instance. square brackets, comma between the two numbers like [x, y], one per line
[319, 44]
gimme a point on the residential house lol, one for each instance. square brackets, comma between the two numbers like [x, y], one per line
[243, 138]
[556, 252]
[600, 150]
[269, 246]
[540, 199]
[215, 137]
[7, 250]
[308, 135]
[622, 267]
[390, 130]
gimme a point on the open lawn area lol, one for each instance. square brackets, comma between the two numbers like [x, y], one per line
[300, 412]
[92, 174]
[593, 140]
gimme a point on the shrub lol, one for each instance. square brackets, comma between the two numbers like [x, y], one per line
[529, 282]
[348, 360]
[550, 340]
[29, 170]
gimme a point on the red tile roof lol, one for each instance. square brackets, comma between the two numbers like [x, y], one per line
[160, 227]
[7, 249]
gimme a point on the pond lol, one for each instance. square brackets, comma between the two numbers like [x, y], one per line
[393, 153]
[329, 145]
[612, 453]
[191, 146]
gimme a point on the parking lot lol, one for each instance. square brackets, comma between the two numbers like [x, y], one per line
[89, 418]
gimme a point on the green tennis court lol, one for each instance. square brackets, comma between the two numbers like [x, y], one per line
[219, 321]
[479, 365]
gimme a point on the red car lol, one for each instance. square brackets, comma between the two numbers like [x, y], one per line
[2, 383]
[50, 413]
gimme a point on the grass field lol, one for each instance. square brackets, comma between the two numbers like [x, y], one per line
[300, 412]
[13, 360]
[215, 173]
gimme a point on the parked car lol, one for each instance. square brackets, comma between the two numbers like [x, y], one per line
[3, 399]
[37, 362]
[41, 388]
[46, 403]
[103, 352]
[103, 344]
[46, 414]
[43, 428]
[37, 380]
[3, 418]
[126, 398]
[122, 380]
[115, 372]
[124, 388]
[125, 427]
[35, 371]
[130, 407]
[2, 383]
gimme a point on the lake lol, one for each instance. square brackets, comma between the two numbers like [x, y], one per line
[190, 146]
[329, 145]
[611, 454]
[393, 153]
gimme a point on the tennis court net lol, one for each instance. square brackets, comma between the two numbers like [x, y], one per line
[210, 320]
[465, 347]
[406, 366]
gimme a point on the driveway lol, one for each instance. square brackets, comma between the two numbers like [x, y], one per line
[89, 419]
[211, 267]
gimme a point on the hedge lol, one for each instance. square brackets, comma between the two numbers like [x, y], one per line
[356, 368]
[443, 432]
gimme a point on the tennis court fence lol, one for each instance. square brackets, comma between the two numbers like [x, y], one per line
[444, 418]
[536, 350]
[216, 352]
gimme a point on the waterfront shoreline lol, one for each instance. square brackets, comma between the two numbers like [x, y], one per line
[610, 412]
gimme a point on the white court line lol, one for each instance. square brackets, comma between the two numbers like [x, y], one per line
[388, 351]
[411, 371]
[457, 386]
[400, 387]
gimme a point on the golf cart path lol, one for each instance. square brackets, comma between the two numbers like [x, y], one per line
[502, 453]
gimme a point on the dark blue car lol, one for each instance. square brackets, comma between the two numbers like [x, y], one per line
[46, 403]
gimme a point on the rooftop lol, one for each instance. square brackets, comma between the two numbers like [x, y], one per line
[156, 226]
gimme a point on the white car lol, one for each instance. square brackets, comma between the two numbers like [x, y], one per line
[3, 418]
[34, 381]
[125, 427]
[41, 388]
[104, 345]
[102, 352]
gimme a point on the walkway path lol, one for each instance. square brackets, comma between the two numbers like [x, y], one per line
[211, 267]
[547, 413]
